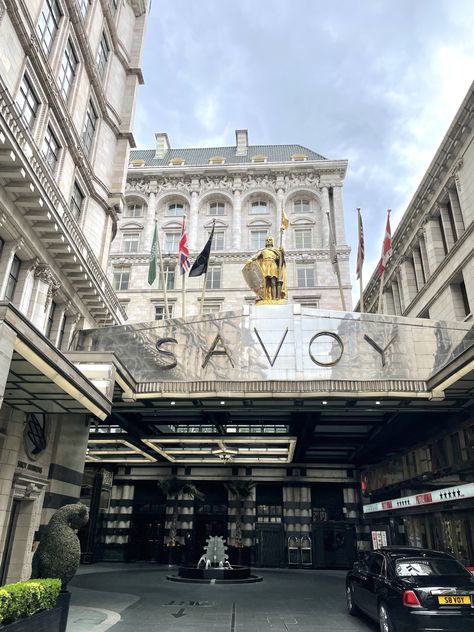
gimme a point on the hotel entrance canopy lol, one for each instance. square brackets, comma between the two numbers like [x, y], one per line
[339, 387]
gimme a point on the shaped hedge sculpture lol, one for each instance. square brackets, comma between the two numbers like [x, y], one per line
[59, 551]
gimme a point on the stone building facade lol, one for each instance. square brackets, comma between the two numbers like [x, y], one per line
[243, 189]
[69, 71]
[431, 271]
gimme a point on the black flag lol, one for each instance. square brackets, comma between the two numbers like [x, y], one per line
[200, 265]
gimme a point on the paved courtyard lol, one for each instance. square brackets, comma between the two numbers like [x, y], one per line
[138, 598]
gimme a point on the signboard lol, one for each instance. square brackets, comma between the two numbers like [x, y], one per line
[448, 494]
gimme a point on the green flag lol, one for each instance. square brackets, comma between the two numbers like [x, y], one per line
[152, 267]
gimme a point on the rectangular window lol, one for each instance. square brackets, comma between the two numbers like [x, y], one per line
[303, 238]
[305, 276]
[259, 207]
[121, 278]
[131, 242]
[211, 308]
[50, 149]
[48, 24]
[13, 279]
[214, 277]
[49, 324]
[89, 127]
[217, 208]
[301, 206]
[67, 70]
[77, 200]
[452, 223]
[172, 242]
[258, 238]
[83, 6]
[464, 298]
[269, 513]
[443, 235]
[61, 332]
[102, 56]
[27, 101]
[134, 210]
[160, 312]
[218, 241]
[169, 272]
[175, 210]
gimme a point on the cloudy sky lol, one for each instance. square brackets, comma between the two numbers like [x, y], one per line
[376, 82]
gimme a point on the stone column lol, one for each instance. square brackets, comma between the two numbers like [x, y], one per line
[457, 213]
[9, 250]
[193, 221]
[388, 304]
[339, 214]
[396, 298]
[424, 254]
[324, 222]
[447, 227]
[418, 269]
[8, 337]
[237, 221]
[434, 243]
[45, 288]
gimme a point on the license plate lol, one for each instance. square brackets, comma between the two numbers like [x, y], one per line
[455, 600]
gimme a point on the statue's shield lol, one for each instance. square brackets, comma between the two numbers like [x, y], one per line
[254, 278]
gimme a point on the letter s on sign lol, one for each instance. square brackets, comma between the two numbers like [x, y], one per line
[164, 352]
[329, 362]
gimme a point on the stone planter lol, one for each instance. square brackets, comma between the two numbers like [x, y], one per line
[53, 620]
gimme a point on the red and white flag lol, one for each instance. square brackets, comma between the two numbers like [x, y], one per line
[386, 246]
[361, 249]
[184, 261]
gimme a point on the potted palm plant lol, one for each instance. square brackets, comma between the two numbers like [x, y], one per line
[241, 490]
[175, 487]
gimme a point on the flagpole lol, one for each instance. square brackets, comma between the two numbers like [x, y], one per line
[361, 285]
[204, 284]
[382, 279]
[280, 258]
[162, 272]
[379, 305]
[338, 272]
[183, 296]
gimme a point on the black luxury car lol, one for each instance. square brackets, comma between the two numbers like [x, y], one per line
[409, 589]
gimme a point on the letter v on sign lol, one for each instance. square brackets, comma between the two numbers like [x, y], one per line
[270, 360]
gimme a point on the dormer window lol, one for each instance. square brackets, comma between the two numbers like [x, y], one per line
[217, 160]
[137, 163]
[301, 206]
[176, 162]
[259, 158]
[259, 207]
[299, 157]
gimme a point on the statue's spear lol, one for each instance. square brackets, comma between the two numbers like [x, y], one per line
[283, 226]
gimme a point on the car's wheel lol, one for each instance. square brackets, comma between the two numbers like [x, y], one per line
[351, 607]
[385, 621]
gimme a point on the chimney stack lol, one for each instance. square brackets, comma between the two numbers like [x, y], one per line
[162, 145]
[242, 142]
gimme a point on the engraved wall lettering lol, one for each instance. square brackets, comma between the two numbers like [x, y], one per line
[378, 348]
[215, 351]
[167, 353]
[334, 337]
[271, 360]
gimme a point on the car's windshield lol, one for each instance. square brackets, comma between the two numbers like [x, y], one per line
[411, 566]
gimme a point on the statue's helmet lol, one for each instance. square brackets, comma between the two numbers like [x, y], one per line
[269, 241]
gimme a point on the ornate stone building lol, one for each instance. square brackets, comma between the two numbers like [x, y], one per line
[69, 71]
[431, 271]
[243, 189]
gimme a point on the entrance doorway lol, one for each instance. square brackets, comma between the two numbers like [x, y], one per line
[270, 545]
[147, 534]
[334, 545]
[210, 516]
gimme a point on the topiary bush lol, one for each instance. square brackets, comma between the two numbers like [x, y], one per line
[26, 598]
[59, 552]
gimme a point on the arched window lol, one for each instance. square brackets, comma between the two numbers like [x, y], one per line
[301, 206]
[259, 207]
[217, 208]
[135, 209]
[176, 209]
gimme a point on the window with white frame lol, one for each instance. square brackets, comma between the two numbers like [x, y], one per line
[160, 312]
[169, 272]
[303, 238]
[83, 6]
[48, 24]
[121, 278]
[27, 101]
[89, 127]
[259, 207]
[50, 149]
[217, 208]
[176, 209]
[102, 56]
[135, 209]
[77, 200]
[218, 240]
[258, 238]
[67, 70]
[211, 308]
[301, 206]
[172, 241]
[305, 275]
[214, 274]
[131, 241]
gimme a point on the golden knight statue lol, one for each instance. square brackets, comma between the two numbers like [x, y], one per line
[265, 274]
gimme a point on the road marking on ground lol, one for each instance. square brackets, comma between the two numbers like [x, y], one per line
[195, 604]
[232, 619]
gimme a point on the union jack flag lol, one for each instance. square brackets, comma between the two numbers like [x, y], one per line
[183, 251]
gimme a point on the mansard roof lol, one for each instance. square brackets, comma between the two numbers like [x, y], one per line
[200, 156]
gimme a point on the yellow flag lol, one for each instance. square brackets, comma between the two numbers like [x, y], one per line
[284, 220]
